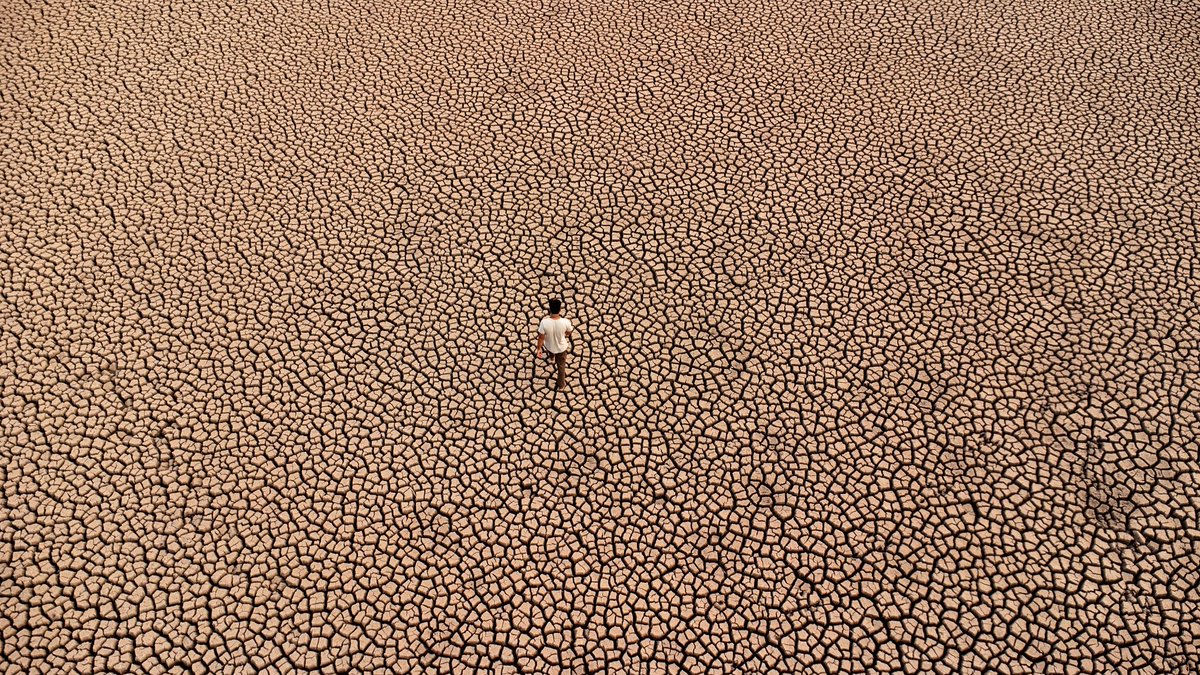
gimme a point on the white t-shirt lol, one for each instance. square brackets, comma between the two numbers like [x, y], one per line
[555, 331]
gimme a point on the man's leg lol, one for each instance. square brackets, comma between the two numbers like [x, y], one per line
[561, 361]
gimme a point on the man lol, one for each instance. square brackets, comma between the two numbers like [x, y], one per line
[553, 332]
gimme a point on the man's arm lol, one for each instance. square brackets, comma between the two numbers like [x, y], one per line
[541, 341]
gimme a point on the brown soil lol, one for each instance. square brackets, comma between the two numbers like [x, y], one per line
[887, 353]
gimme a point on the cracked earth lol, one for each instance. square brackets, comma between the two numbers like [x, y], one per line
[886, 354]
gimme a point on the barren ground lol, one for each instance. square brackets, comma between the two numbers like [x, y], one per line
[889, 347]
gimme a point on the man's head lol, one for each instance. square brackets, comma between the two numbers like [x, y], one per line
[555, 306]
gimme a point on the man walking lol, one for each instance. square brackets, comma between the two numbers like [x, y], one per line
[553, 332]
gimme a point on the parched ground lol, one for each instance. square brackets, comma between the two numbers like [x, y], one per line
[888, 354]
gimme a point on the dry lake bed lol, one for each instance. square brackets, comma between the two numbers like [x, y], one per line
[887, 349]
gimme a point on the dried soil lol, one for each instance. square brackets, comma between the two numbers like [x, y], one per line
[887, 353]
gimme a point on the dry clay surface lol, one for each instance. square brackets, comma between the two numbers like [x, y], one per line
[887, 353]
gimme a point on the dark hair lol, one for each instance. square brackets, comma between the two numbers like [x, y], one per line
[555, 306]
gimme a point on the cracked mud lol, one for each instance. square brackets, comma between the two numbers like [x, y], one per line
[886, 356]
